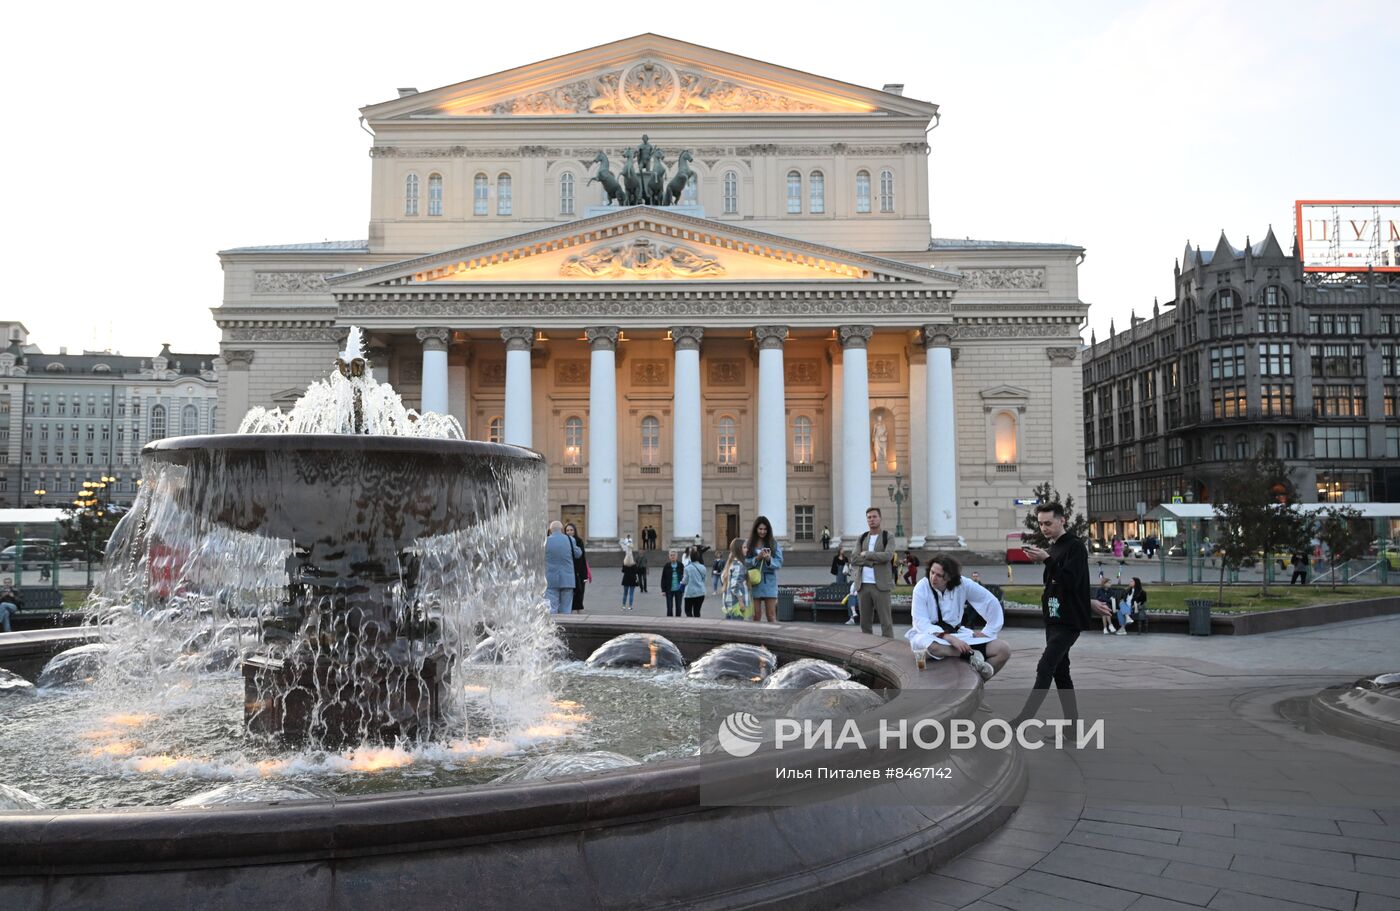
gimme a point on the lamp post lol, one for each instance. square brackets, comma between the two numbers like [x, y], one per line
[40, 493]
[899, 492]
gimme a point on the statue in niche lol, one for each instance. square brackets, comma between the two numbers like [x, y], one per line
[880, 439]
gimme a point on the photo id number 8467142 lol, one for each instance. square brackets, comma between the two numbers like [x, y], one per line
[920, 772]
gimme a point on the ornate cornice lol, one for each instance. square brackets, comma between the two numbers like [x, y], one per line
[939, 335]
[770, 336]
[687, 337]
[583, 156]
[518, 338]
[434, 339]
[282, 332]
[855, 336]
[908, 305]
[296, 282]
[1062, 357]
[602, 338]
[1019, 327]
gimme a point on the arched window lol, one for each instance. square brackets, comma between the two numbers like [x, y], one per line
[434, 194]
[794, 193]
[1241, 446]
[862, 191]
[157, 422]
[802, 440]
[651, 442]
[566, 193]
[1004, 438]
[493, 430]
[410, 195]
[816, 193]
[727, 442]
[189, 420]
[573, 442]
[731, 193]
[503, 200]
[213, 419]
[1217, 447]
[1290, 446]
[481, 193]
[886, 190]
[1274, 296]
[1269, 446]
[1224, 299]
[691, 196]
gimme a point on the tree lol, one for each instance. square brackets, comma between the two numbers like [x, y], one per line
[1076, 524]
[1344, 533]
[1254, 516]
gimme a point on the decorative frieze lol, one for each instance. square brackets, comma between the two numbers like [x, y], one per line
[1013, 327]
[883, 370]
[1030, 278]
[300, 282]
[493, 373]
[726, 373]
[642, 258]
[281, 334]
[651, 373]
[571, 372]
[581, 307]
[802, 372]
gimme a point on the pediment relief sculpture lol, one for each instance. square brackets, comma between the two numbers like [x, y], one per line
[652, 86]
[643, 258]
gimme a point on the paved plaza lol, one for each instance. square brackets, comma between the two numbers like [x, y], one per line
[1287, 820]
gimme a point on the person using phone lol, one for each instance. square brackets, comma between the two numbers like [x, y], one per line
[1066, 607]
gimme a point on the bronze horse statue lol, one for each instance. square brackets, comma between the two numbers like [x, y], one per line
[676, 188]
[609, 182]
[656, 180]
[631, 183]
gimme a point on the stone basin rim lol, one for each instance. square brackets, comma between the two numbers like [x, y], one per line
[338, 442]
[54, 841]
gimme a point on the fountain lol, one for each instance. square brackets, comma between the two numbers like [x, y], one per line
[369, 518]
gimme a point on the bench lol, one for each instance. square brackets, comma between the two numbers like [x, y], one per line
[43, 607]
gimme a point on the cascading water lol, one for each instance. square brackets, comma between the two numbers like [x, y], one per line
[350, 554]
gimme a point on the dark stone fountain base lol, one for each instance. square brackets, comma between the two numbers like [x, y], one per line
[337, 704]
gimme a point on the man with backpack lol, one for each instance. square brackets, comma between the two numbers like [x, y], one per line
[872, 563]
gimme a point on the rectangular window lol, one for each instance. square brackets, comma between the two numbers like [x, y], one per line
[481, 193]
[1390, 365]
[1392, 442]
[1276, 399]
[1334, 324]
[1174, 453]
[794, 193]
[1392, 401]
[1339, 401]
[1276, 359]
[731, 193]
[1228, 402]
[1337, 360]
[803, 522]
[1339, 442]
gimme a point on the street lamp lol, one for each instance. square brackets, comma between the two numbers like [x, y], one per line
[899, 492]
[40, 493]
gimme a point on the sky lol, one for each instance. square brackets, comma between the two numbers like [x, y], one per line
[145, 137]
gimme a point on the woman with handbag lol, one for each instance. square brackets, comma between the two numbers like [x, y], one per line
[695, 578]
[764, 560]
[582, 574]
[735, 589]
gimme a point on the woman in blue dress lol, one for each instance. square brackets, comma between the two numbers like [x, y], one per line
[766, 556]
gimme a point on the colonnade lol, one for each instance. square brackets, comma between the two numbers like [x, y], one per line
[939, 450]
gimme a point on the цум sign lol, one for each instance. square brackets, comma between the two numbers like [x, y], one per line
[1349, 235]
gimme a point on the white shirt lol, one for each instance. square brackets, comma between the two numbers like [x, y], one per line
[868, 573]
[930, 606]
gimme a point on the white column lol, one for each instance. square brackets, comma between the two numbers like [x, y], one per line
[519, 427]
[838, 490]
[940, 448]
[236, 404]
[1067, 457]
[918, 436]
[602, 435]
[686, 498]
[434, 396]
[855, 430]
[772, 427]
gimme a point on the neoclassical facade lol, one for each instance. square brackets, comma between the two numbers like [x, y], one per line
[787, 339]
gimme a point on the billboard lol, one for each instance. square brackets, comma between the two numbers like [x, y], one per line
[1349, 235]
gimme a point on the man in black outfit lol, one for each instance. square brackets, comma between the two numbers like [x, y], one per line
[1066, 607]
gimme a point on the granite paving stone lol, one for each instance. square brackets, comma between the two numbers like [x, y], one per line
[1259, 884]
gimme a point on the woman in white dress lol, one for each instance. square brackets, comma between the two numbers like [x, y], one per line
[938, 631]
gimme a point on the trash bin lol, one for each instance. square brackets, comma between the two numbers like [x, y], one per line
[1198, 617]
[785, 599]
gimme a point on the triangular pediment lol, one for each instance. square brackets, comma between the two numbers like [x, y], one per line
[642, 243]
[1005, 395]
[646, 75]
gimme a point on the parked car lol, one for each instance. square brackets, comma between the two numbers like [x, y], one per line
[1099, 547]
[1132, 547]
[31, 556]
[1176, 550]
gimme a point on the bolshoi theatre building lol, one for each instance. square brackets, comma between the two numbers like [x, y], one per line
[704, 286]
